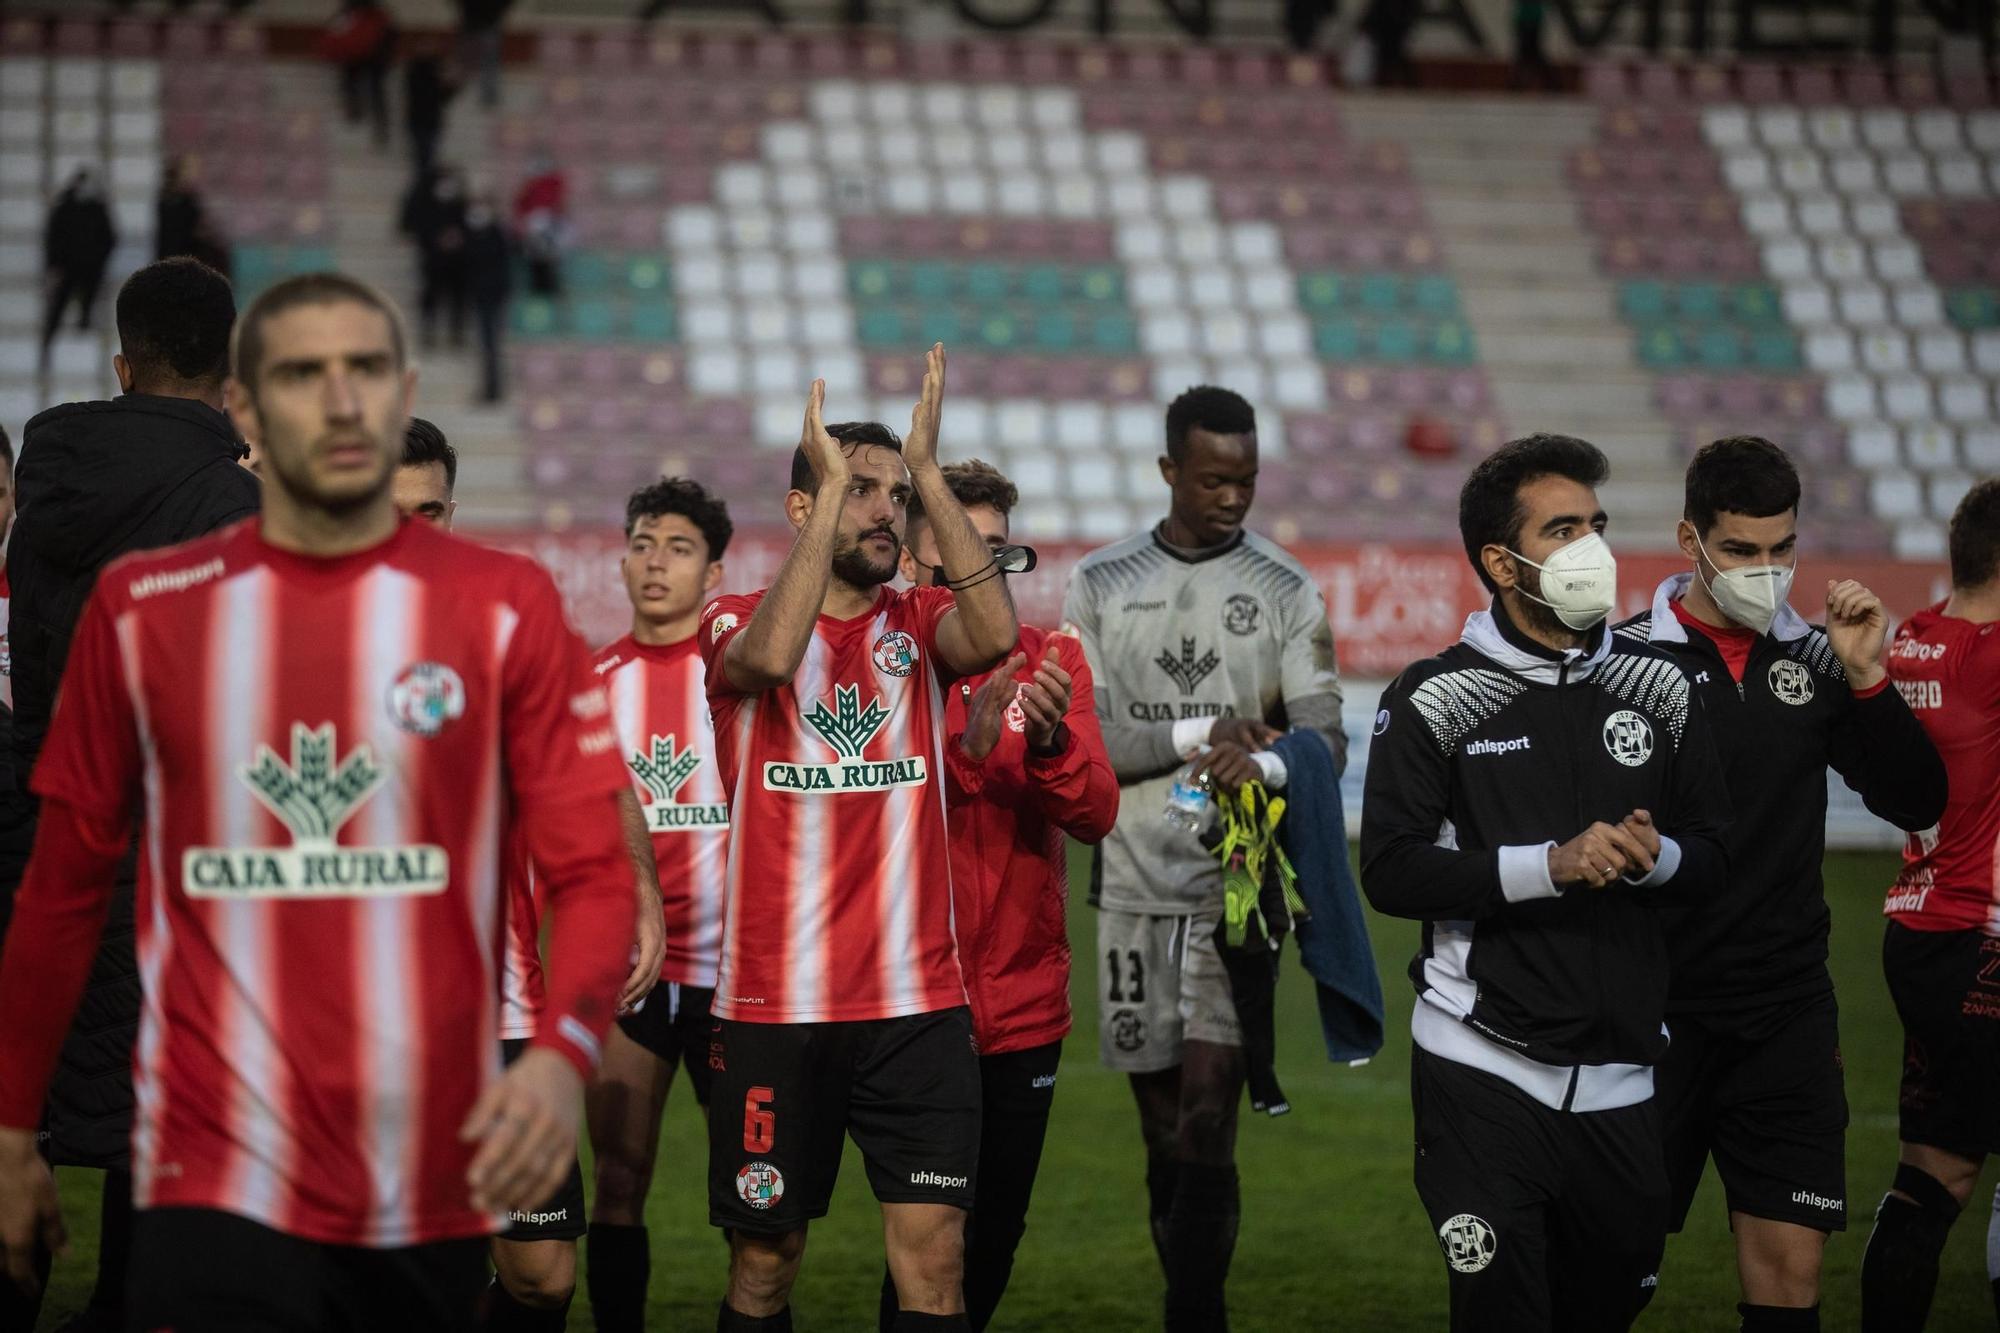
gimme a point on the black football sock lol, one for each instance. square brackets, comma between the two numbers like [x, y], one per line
[504, 1314]
[1201, 1238]
[909, 1321]
[885, 1314]
[1162, 1175]
[1778, 1318]
[114, 1246]
[730, 1321]
[620, 1265]
[1900, 1267]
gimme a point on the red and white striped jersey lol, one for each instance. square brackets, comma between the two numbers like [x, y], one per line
[1948, 671]
[326, 748]
[839, 905]
[659, 708]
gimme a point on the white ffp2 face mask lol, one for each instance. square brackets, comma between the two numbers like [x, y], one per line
[1750, 595]
[1579, 581]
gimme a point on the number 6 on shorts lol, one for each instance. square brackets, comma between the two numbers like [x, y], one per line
[760, 1126]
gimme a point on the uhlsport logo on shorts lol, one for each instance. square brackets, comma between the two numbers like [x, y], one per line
[426, 697]
[1790, 682]
[1468, 1242]
[760, 1185]
[1628, 737]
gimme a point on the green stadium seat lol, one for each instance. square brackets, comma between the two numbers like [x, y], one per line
[653, 321]
[1044, 284]
[586, 273]
[310, 259]
[1114, 334]
[871, 280]
[1054, 331]
[1338, 338]
[1322, 291]
[1700, 302]
[1973, 307]
[648, 273]
[881, 326]
[593, 317]
[1757, 303]
[1642, 300]
[1397, 341]
[939, 324]
[997, 331]
[1451, 343]
[1774, 349]
[1720, 347]
[1434, 294]
[987, 283]
[1661, 348]
[932, 281]
[1101, 282]
[1381, 293]
[536, 317]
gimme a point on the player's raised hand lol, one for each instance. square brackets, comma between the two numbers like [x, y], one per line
[988, 704]
[1857, 630]
[30, 1216]
[829, 462]
[920, 445]
[525, 1126]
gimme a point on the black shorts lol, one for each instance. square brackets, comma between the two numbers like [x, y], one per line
[785, 1095]
[1761, 1091]
[1946, 985]
[197, 1268]
[673, 1024]
[561, 1216]
[1545, 1218]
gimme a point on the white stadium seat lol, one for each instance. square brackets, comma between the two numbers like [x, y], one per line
[774, 369]
[1268, 290]
[1829, 351]
[1747, 170]
[1768, 215]
[1800, 170]
[1726, 127]
[1981, 446]
[1788, 260]
[1224, 331]
[1885, 128]
[1034, 470]
[1863, 304]
[954, 147]
[1946, 489]
[1135, 429]
[1896, 260]
[1937, 130]
[1930, 447]
[1055, 108]
[1080, 427]
[1896, 495]
[1781, 127]
[1167, 332]
[1964, 398]
[1852, 172]
[1852, 398]
[1986, 351]
[1284, 336]
[1907, 173]
[1918, 541]
[1885, 351]
[1833, 127]
[1908, 398]
[1198, 243]
[1941, 352]
[1807, 303]
[1213, 289]
[1822, 215]
[1870, 445]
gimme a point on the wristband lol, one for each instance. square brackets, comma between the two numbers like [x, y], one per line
[1191, 735]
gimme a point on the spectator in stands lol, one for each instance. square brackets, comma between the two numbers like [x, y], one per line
[434, 220]
[154, 466]
[489, 280]
[1387, 25]
[182, 225]
[361, 39]
[429, 83]
[479, 43]
[1530, 60]
[541, 220]
[76, 245]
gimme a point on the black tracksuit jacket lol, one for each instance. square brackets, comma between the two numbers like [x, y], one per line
[1483, 757]
[1764, 939]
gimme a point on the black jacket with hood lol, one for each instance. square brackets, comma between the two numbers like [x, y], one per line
[1485, 757]
[95, 481]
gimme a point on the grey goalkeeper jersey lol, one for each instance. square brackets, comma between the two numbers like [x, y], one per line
[1240, 631]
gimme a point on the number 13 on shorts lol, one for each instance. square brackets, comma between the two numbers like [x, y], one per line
[760, 1123]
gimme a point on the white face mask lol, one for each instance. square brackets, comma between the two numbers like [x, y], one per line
[1750, 595]
[1579, 582]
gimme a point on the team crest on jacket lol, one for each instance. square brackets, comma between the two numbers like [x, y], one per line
[1628, 737]
[1468, 1243]
[896, 653]
[426, 697]
[760, 1185]
[663, 772]
[313, 795]
[1790, 681]
[846, 728]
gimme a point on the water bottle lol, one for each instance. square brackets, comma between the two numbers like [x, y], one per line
[1189, 804]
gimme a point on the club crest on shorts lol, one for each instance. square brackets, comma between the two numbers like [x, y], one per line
[1128, 1031]
[896, 653]
[1628, 737]
[760, 1185]
[426, 697]
[1468, 1243]
[1790, 681]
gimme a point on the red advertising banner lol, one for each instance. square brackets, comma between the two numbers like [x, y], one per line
[1389, 605]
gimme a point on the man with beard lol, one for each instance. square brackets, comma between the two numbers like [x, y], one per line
[1536, 793]
[839, 1002]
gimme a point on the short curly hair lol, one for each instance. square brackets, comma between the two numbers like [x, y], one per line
[974, 482]
[692, 501]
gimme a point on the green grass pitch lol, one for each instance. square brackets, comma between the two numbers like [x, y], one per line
[1332, 1233]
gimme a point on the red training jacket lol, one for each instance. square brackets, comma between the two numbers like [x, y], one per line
[1009, 882]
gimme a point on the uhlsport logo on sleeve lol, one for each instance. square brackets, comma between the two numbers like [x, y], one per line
[313, 795]
[663, 773]
[846, 728]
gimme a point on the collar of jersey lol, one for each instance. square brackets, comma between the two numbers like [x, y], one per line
[1667, 628]
[1195, 557]
[1484, 634]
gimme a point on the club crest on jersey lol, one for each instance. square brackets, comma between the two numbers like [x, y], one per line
[663, 773]
[1790, 681]
[1240, 614]
[760, 1185]
[1628, 737]
[425, 697]
[846, 728]
[896, 653]
[721, 625]
[313, 795]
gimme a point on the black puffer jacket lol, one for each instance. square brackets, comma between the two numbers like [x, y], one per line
[95, 481]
